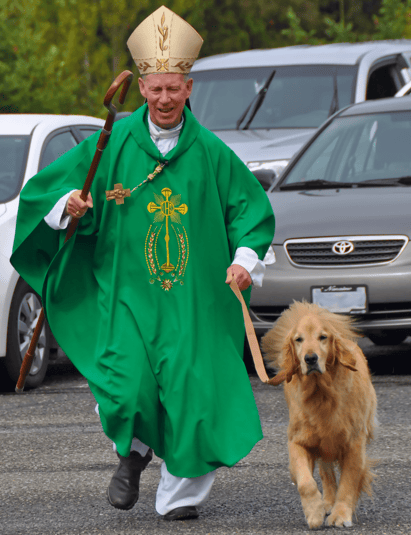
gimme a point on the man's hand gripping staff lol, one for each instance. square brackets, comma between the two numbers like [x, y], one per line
[124, 79]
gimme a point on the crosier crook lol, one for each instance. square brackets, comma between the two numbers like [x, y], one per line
[125, 78]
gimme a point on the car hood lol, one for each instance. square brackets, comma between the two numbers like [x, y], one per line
[344, 212]
[265, 145]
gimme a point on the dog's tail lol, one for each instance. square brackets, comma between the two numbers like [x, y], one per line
[368, 477]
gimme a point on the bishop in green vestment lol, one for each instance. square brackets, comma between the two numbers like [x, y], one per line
[137, 297]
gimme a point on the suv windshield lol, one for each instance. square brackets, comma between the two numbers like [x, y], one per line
[300, 96]
[13, 157]
[357, 151]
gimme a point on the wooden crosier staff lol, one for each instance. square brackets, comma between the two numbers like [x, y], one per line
[125, 78]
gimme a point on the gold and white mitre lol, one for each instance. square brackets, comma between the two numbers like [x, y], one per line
[164, 42]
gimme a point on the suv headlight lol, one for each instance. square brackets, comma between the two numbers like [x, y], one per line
[267, 173]
[275, 165]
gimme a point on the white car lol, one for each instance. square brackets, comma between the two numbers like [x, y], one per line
[28, 143]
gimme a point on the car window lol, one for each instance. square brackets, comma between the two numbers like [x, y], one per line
[358, 149]
[298, 96]
[88, 130]
[56, 147]
[13, 158]
[319, 167]
[382, 83]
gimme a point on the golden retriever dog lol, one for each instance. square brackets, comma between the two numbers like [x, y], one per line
[332, 408]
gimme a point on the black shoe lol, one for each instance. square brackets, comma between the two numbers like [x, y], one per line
[123, 489]
[182, 513]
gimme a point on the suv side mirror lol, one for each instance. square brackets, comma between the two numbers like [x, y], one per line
[266, 177]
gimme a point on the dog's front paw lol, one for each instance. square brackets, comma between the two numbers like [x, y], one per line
[315, 516]
[340, 516]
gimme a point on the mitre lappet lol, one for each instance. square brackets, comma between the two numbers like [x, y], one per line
[164, 43]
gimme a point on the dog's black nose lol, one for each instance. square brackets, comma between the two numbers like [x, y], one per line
[311, 360]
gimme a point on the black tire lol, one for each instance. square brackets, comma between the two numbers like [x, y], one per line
[387, 338]
[24, 312]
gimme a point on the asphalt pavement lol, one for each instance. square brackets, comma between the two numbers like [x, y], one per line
[56, 464]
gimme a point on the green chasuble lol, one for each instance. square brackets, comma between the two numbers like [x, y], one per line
[137, 297]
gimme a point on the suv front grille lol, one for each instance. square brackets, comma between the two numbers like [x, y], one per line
[367, 250]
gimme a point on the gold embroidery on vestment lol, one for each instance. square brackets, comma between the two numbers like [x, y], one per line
[168, 209]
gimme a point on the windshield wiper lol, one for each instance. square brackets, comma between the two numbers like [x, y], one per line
[404, 180]
[320, 184]
[258, 100]
[315, 184]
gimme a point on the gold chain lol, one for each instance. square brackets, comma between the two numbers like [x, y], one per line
[152, 175]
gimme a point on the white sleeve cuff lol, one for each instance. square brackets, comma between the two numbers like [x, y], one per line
[54, 218]
[248, 259]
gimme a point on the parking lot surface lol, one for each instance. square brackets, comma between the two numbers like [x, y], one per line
[56, 464]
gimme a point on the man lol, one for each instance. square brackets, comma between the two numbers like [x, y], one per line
[136, 297]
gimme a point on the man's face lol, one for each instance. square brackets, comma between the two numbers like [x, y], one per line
[166, 95]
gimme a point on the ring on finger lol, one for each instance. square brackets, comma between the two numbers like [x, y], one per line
[78, 213]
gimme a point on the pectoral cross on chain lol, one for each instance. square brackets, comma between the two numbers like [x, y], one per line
[118, 193]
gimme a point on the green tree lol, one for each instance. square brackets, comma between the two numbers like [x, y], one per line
[393, 19]
[60, 56]
[340, 23]
[296, 33]
[33, 78]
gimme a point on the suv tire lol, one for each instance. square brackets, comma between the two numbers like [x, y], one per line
[24, 312]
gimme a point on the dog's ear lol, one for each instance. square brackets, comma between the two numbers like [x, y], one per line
[332, 352]
[342, 354]
[290, 362]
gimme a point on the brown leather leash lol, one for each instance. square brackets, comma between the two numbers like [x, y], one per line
[254, 345]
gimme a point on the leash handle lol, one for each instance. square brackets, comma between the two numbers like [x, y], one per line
[253, 342]
[252, 338]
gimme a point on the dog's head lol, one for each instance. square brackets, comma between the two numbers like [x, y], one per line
[309, 340]
[314, 346]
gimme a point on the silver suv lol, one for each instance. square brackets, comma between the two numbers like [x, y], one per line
[265, 104]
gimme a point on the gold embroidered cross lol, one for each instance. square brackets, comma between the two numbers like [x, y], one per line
[118, 193]
[168, 208]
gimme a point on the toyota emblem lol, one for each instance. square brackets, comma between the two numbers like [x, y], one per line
[343, 247]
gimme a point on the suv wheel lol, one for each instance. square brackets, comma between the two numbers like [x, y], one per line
[24, 312]
[387, 338]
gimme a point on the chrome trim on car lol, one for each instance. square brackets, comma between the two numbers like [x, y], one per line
[353, 239]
